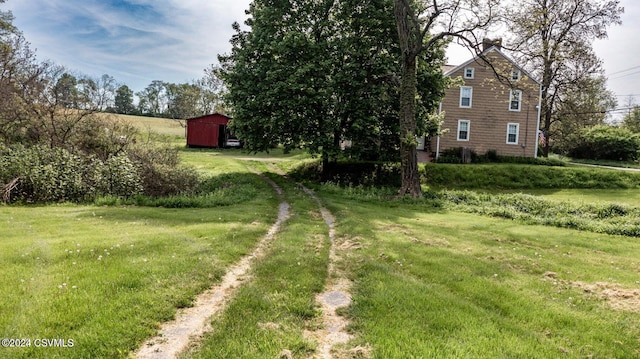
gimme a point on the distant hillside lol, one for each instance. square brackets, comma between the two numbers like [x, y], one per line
[161, 126]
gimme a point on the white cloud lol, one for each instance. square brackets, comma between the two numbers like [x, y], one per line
[169, 40]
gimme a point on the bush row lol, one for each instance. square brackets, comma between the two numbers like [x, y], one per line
[454, 155]
[350, 173]
[605, 143]
[44, 174]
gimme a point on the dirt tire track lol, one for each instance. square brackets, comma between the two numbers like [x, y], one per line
[191, 323]
[336, 293]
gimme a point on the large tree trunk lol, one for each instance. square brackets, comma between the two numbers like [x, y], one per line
[408, 152]
[410, 44]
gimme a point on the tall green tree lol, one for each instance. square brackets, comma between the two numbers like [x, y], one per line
[65, 91]
[183, 100]
[153, 99]
[584, 104]
[124, 100]
[552, 38]
[287, 77]
[278, 75]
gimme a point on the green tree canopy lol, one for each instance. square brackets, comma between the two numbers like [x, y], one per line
[124, 100]
[319, 74]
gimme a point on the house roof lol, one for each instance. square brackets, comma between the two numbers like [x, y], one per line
[449, 70]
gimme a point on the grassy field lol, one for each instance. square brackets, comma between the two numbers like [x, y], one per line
[438, 284]
[159, 126]
[431, 279]
[106, 277]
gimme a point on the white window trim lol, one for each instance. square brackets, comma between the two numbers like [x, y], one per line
[518, 75]
[517, 125]
[473, 73]
[511, 93]
[468, 130]
[470, 97]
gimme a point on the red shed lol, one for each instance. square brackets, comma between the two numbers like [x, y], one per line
[207, 131]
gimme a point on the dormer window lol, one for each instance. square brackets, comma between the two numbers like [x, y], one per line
[515, 75]
[469, 72]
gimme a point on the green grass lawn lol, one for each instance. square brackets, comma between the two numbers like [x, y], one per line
[438, 284]
[429, 281]
[107, 276]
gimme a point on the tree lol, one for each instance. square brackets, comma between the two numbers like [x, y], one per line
[65, 91]
[422, 28]
[212, 90]
[309, 74]
[584, 103]
[6, 22]
[105, 91]
[152, 100]
[183, 100]
[631, 121]
[553, 38]
[124, 100]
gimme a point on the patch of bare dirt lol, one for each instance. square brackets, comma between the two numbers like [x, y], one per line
[191, 323]
[615, 295]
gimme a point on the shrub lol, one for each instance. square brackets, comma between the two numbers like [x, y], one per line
[118, 177]
[160, 171]
[454, 155]
[44, 174]
[351, 173]
[604, 142]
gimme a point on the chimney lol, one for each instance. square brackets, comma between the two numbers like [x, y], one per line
[488, 43]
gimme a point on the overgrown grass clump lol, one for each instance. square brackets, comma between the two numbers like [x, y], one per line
[44, 174]
[215, 191]
[610, 218]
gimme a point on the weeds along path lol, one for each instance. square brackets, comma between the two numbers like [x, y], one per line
[191, 323]
[336, 293]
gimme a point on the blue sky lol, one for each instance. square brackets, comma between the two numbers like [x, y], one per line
[135, 41]
[138, 41]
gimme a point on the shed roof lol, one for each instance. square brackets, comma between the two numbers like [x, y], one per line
[208, 115]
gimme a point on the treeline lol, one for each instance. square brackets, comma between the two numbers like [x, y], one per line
[56, 146]
[158, 99]
[171, 100]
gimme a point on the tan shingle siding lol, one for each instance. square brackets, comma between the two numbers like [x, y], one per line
[489, 114]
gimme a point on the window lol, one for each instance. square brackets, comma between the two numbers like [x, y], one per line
[466, 92]
[515, 75]
[469, 72]
[463, 130]
[515, 99]
[513, 130]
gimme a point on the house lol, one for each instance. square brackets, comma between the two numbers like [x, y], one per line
[208, 130]
[497, 108]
